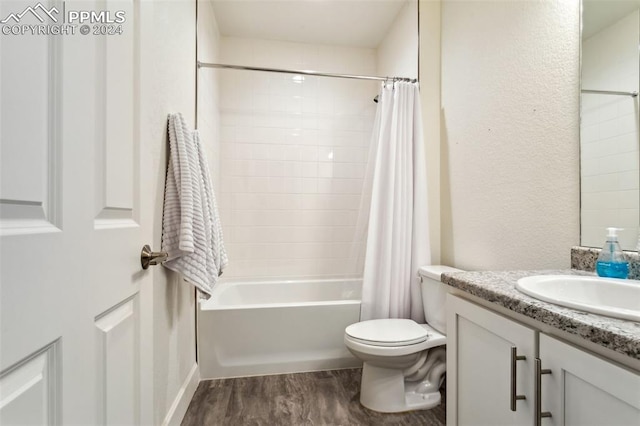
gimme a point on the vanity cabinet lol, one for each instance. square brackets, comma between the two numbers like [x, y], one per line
[585, 390]
[481, 367]
[484, 379]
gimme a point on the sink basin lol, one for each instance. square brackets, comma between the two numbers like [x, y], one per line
[605, 296]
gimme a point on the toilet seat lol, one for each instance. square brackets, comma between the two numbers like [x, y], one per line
[432, 339]
[387, 332]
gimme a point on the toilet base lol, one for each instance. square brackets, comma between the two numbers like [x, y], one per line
[385, 390]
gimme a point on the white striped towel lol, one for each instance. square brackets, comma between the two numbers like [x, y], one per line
[191, 229]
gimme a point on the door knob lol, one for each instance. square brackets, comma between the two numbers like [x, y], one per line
[150, 258]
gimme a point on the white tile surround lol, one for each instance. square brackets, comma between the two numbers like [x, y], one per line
[293, 156]
[609, 135]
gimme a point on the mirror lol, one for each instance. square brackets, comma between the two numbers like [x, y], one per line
[609, 136]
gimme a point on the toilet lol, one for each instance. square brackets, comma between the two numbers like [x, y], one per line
[404, 362]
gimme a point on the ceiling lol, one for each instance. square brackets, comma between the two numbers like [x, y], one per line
[357, 23]
[599, 14]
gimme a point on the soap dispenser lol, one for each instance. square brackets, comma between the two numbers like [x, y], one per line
[612, 262]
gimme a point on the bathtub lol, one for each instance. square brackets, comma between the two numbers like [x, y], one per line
[273, 327]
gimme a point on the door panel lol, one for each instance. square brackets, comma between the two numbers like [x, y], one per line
[117, 148]
[118, 364]
[28, 392]
[29, 106]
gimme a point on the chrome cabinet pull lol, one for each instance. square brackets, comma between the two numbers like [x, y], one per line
[538, 409]
[514, 375]
[150, 258]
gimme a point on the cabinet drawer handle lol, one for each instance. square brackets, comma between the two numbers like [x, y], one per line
[538, 409]
[514, 375]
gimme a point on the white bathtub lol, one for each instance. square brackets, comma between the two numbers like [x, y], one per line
[272, 327]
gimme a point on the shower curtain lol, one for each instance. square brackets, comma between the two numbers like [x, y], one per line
[398, 233]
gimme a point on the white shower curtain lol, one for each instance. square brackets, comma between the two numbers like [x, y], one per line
[398, 232]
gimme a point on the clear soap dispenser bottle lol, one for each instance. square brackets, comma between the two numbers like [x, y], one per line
[612, 262]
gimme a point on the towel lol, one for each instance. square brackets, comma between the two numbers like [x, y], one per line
[191, 229]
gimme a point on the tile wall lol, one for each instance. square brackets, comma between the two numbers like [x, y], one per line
[293, 156]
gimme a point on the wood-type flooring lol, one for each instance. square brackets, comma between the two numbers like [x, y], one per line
[316, 398]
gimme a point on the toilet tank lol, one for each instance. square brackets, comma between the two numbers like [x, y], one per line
[434, 295]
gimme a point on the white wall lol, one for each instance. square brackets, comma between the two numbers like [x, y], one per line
[430, 71]
[293, 155]
[609, 134]
[397, 55]
[510, 99]
[208, 88]
[167, 84]
[398, 51]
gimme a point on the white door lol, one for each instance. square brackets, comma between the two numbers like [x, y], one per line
[585, 390]
[480, 366]
[74, 321]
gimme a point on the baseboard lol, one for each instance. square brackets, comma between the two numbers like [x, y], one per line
[183, 398]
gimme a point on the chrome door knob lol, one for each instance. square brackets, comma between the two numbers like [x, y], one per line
[150, 258]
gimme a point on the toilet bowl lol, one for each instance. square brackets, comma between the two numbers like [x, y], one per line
[404, 362]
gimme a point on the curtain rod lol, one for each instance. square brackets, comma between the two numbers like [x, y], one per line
[303, 72]
[611, 92]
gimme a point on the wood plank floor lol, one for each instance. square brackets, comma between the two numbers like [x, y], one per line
[318, 398]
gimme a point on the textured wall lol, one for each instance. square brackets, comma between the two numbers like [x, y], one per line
[167, 84]
[510, 99]
[430, 71]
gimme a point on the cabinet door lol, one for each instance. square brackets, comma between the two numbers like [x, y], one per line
[584, 390]
[479, 367]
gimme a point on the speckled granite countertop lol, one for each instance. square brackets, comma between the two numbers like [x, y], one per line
[499, 288]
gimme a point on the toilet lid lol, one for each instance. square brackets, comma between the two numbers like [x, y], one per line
[387, 332]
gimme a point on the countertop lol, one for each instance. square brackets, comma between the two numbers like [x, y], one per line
[498, 287]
